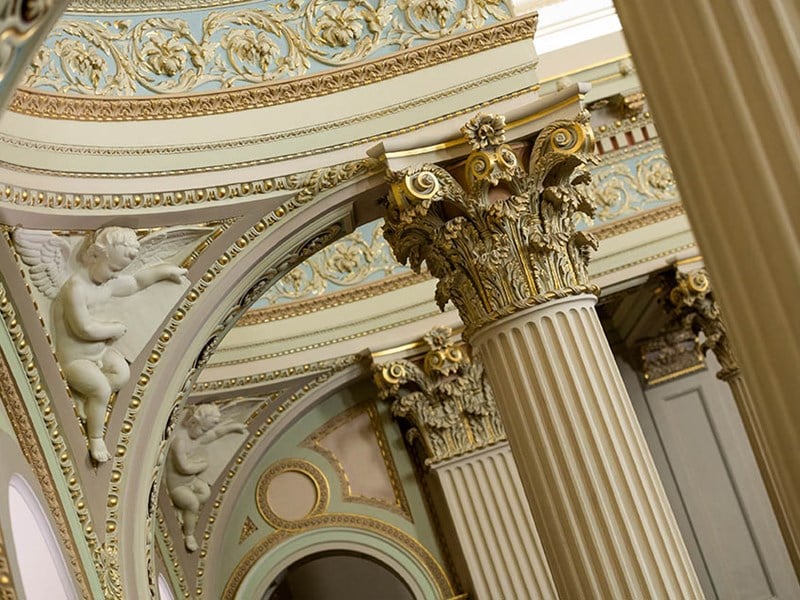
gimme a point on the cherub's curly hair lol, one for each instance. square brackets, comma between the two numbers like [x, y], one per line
[96, 246]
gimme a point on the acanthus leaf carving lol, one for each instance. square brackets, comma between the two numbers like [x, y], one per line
[498, 238]
[695, 306]
[448, 400]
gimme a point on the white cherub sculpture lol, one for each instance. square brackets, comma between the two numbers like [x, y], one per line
[110, 263]
[187, 461]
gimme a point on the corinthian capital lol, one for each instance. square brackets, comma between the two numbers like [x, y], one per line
[498, 230]
[447, 400]
[694, 303]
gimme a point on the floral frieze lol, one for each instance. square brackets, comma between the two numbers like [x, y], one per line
[261, 42]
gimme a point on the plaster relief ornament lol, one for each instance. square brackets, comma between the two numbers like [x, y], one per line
[187, 461]
[85, 285]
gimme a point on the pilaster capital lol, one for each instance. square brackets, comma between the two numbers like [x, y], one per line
[447, 400]
[694, 304]
[498, 230]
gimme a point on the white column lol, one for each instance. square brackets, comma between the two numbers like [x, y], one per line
[494, 525]
[602, 514]
[723, 80]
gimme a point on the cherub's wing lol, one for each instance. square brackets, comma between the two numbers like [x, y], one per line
[47, 255]
[158, 247]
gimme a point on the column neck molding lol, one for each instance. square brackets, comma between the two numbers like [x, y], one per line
[498, 230]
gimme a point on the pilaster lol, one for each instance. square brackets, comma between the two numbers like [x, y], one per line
[452, 413]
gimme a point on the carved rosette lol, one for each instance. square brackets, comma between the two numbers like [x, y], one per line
[694, 304]
[448, 400]
[497, 237]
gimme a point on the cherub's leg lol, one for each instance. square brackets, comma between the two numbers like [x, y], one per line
[86, 378]
[116, 369]
[188, 503]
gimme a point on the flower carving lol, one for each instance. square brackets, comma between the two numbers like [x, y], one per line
[434, 10]
[252, 47]
[339, 26]
[485, 130]
[660, 176]
[164, 56]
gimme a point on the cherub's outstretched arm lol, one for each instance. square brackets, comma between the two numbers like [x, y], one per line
[221, 429]
[81, 323]
[127, 285]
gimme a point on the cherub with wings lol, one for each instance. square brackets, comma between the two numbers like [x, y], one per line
[94, 370]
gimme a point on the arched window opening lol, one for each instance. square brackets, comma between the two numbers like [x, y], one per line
[337, 574]
[41, 565]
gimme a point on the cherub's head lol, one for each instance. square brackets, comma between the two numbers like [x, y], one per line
[203, 418]
[109, 251]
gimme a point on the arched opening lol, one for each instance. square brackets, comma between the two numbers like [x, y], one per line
[337, 574]
[41, 565]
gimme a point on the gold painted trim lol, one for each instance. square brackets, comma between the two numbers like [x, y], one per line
[123, 7]
[7, 589]
[646, 259]
[397, 349]
[586, 68]
[312, 471]
[461, 140]
[167, 150]
[54, 106]
[675, 375]
[688, 261]
[288, 310]
[374, 526]
[314, 442]
[650, 217]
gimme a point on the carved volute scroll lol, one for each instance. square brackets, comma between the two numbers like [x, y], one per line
[497, 237]
[694, 304]
[448, 400]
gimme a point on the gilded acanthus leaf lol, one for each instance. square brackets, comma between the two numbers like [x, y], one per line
[498, 238]
[448, 401]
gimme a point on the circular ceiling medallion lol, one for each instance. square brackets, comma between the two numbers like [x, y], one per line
[291, 491]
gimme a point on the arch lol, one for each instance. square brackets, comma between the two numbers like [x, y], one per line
[186, 341]
[393, 549]
[37, 551]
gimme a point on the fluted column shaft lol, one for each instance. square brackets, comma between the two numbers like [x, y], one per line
[602, 514]
[725, 95]
[494, 526]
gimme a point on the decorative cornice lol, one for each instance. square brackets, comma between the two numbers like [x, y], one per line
[650, 217]
[121, 7]
[498, 239]
[303, 307]
[306, 184]
[448, 400]
[48, 105]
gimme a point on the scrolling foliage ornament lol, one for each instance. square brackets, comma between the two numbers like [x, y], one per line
[505, 239]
